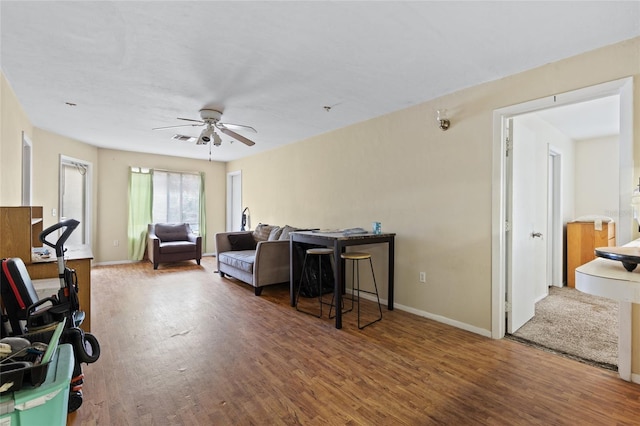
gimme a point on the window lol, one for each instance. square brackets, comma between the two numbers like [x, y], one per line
[176, 198]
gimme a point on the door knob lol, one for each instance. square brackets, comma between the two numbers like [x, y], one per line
[536, 234]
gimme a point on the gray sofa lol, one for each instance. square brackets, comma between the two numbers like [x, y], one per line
[259, 258]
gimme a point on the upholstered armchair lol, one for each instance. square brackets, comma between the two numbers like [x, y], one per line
[172, 242]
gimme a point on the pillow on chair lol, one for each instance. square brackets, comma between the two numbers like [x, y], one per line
[241, 242]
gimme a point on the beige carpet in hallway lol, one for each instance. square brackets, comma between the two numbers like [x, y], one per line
[575, 324]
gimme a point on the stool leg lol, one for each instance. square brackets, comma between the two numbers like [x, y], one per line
[356, 263]
[320, 283]
[375, 285]
[304, 274]
[333, 298]
[304, 265]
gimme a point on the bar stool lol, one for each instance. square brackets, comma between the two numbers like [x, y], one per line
[356, 257]
[313, 252]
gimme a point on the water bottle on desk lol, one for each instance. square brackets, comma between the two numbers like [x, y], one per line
[376, 228]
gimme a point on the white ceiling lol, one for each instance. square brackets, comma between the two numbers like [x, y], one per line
[586, 120]
[135, 65]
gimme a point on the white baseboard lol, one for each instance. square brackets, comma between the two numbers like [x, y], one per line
[115, 262]
[438, 318]
[445, 320]
[635, 378]
[122, 262]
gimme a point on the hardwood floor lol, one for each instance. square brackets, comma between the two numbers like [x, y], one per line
[181, 346]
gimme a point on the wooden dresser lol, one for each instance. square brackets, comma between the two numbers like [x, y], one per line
[582, 240]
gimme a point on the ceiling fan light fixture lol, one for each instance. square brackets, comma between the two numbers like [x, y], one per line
[205, 136]
[217, 141]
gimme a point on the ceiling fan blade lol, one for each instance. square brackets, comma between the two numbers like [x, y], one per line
[180, 125]
[237, 127]
[234, 135]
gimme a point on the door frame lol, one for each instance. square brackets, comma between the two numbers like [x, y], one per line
[623, 88]
[231, 196]
[554, 224]
[27, 166]
[88, 212]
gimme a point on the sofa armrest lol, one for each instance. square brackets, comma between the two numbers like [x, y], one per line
[271, 264]
[197, 239]
[153, 243]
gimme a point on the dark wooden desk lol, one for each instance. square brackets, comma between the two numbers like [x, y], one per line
[339, 242]
[78, 258]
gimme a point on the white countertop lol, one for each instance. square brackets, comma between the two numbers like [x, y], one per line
[608, 278]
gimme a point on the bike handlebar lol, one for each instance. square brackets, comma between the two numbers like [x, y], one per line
[70, 224]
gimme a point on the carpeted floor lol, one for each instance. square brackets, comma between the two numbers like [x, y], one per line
[575, 324]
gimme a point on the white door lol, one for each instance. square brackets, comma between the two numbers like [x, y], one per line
[527, 248]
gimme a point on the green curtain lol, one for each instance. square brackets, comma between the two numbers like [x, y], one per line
[140, 211]
[203, 216]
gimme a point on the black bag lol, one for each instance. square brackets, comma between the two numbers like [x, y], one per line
[312, 273]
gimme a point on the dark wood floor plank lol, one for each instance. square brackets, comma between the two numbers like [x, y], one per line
[181, 346]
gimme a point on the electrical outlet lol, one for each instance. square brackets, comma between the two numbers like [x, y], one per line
[116, 243]
[54, 212]
[423, 277]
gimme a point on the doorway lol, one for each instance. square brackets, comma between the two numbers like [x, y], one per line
[75, 196]
[592, 176]
[501, 248]
[559, 317]
[555, 225]
[234, 201]
[27, 161]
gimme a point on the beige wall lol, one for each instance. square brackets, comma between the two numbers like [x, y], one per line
[113, 184]
[13, 121]
[597, 177]
[47, 149]
[432, 188]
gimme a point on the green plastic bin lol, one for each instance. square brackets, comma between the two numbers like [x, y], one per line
[46, 404]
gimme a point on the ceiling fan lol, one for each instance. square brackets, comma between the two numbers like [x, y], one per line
[211, 119]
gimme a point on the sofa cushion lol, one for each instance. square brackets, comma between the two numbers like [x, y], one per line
[172, 231]
[242, 242]
[275, 233]
[176, 247]
[262, 231]
[286, 231]
[242, 260]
